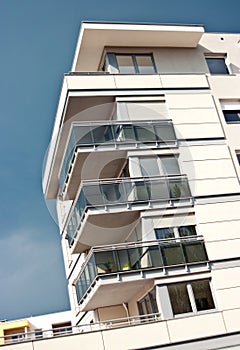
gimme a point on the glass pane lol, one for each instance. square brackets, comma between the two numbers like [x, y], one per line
[105, 262]
[179, 298]
[152, 297]
[238, 157]
[93, 195]
[83, 135]
[141, 193]
[113, 193]
[172, 255]
[155, 256]
[149, 166]
[124, 132]
[165, 232]
[217, 65]
[158, 190]
[202, 294]
[134, 257]
[125, 64]
[164, 132]
[145, 64]
[179, 189]
[123, 259]
[170, 166]
[187, 230]
[145, 133]
[145, 259]
[102, 134]
[194, 252]
[232, 116]
[92, 268]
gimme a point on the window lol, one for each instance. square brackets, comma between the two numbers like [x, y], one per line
[217, 65]
[38, 333]
[175, 232]
[238, 156]
[148, 304]
[191, 297]
[231, 116]
[231, 110]
[62, 328]
[159, 166]
[130, 63]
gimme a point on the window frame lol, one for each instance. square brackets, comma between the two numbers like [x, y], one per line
[112, 56]
[218, 57]
[230, 106]
[192, 299]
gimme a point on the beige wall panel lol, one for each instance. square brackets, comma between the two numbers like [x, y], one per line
[194, 116]
[193, 131]
[182, 60]
[223, 249]
[229, 298]
[85, 341]
[233, 132]
[218, 212]
[225, 86]
[91, 82]
[184, 81]
[231, 319]
[208, 169]
[222, 230]
[195, 327]
[136, 81]
[213, 186]
[194, 153]
[147, 110]
[136, 337]
[177, 101]
[226, 278]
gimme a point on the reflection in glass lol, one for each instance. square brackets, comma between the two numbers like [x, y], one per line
[179, 298]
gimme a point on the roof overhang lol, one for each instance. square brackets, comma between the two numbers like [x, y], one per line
[94, 37]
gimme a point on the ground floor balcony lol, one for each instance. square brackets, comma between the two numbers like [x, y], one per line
[111, 137]
[105, 210]
[134, 265]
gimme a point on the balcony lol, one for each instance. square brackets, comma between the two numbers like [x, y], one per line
[121, 197]
[108, 263]
[111, 137]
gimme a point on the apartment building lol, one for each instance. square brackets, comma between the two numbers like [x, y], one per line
[144, 167]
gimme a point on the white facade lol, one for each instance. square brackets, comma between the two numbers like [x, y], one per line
[144, 166]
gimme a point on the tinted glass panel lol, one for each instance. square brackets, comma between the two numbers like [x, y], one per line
[231, 116]
[217, 65]
[238, 157]
[125, 64]
[145, 64]
[149, 166]
[170, 165]
[179, 298]
[172, 254]
[165, 232]
[187, 230]
[105, 262]
[202, 294]
[194, 252]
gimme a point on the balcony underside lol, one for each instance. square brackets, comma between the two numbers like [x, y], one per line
[86, 165]
[102, 229]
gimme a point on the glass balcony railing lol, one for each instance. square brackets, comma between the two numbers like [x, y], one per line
[102, 194]
[138, 256]
[116, 134]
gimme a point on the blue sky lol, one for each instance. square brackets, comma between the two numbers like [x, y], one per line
[37, 41]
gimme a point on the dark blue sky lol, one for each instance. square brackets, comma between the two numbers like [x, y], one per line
[37, 43]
